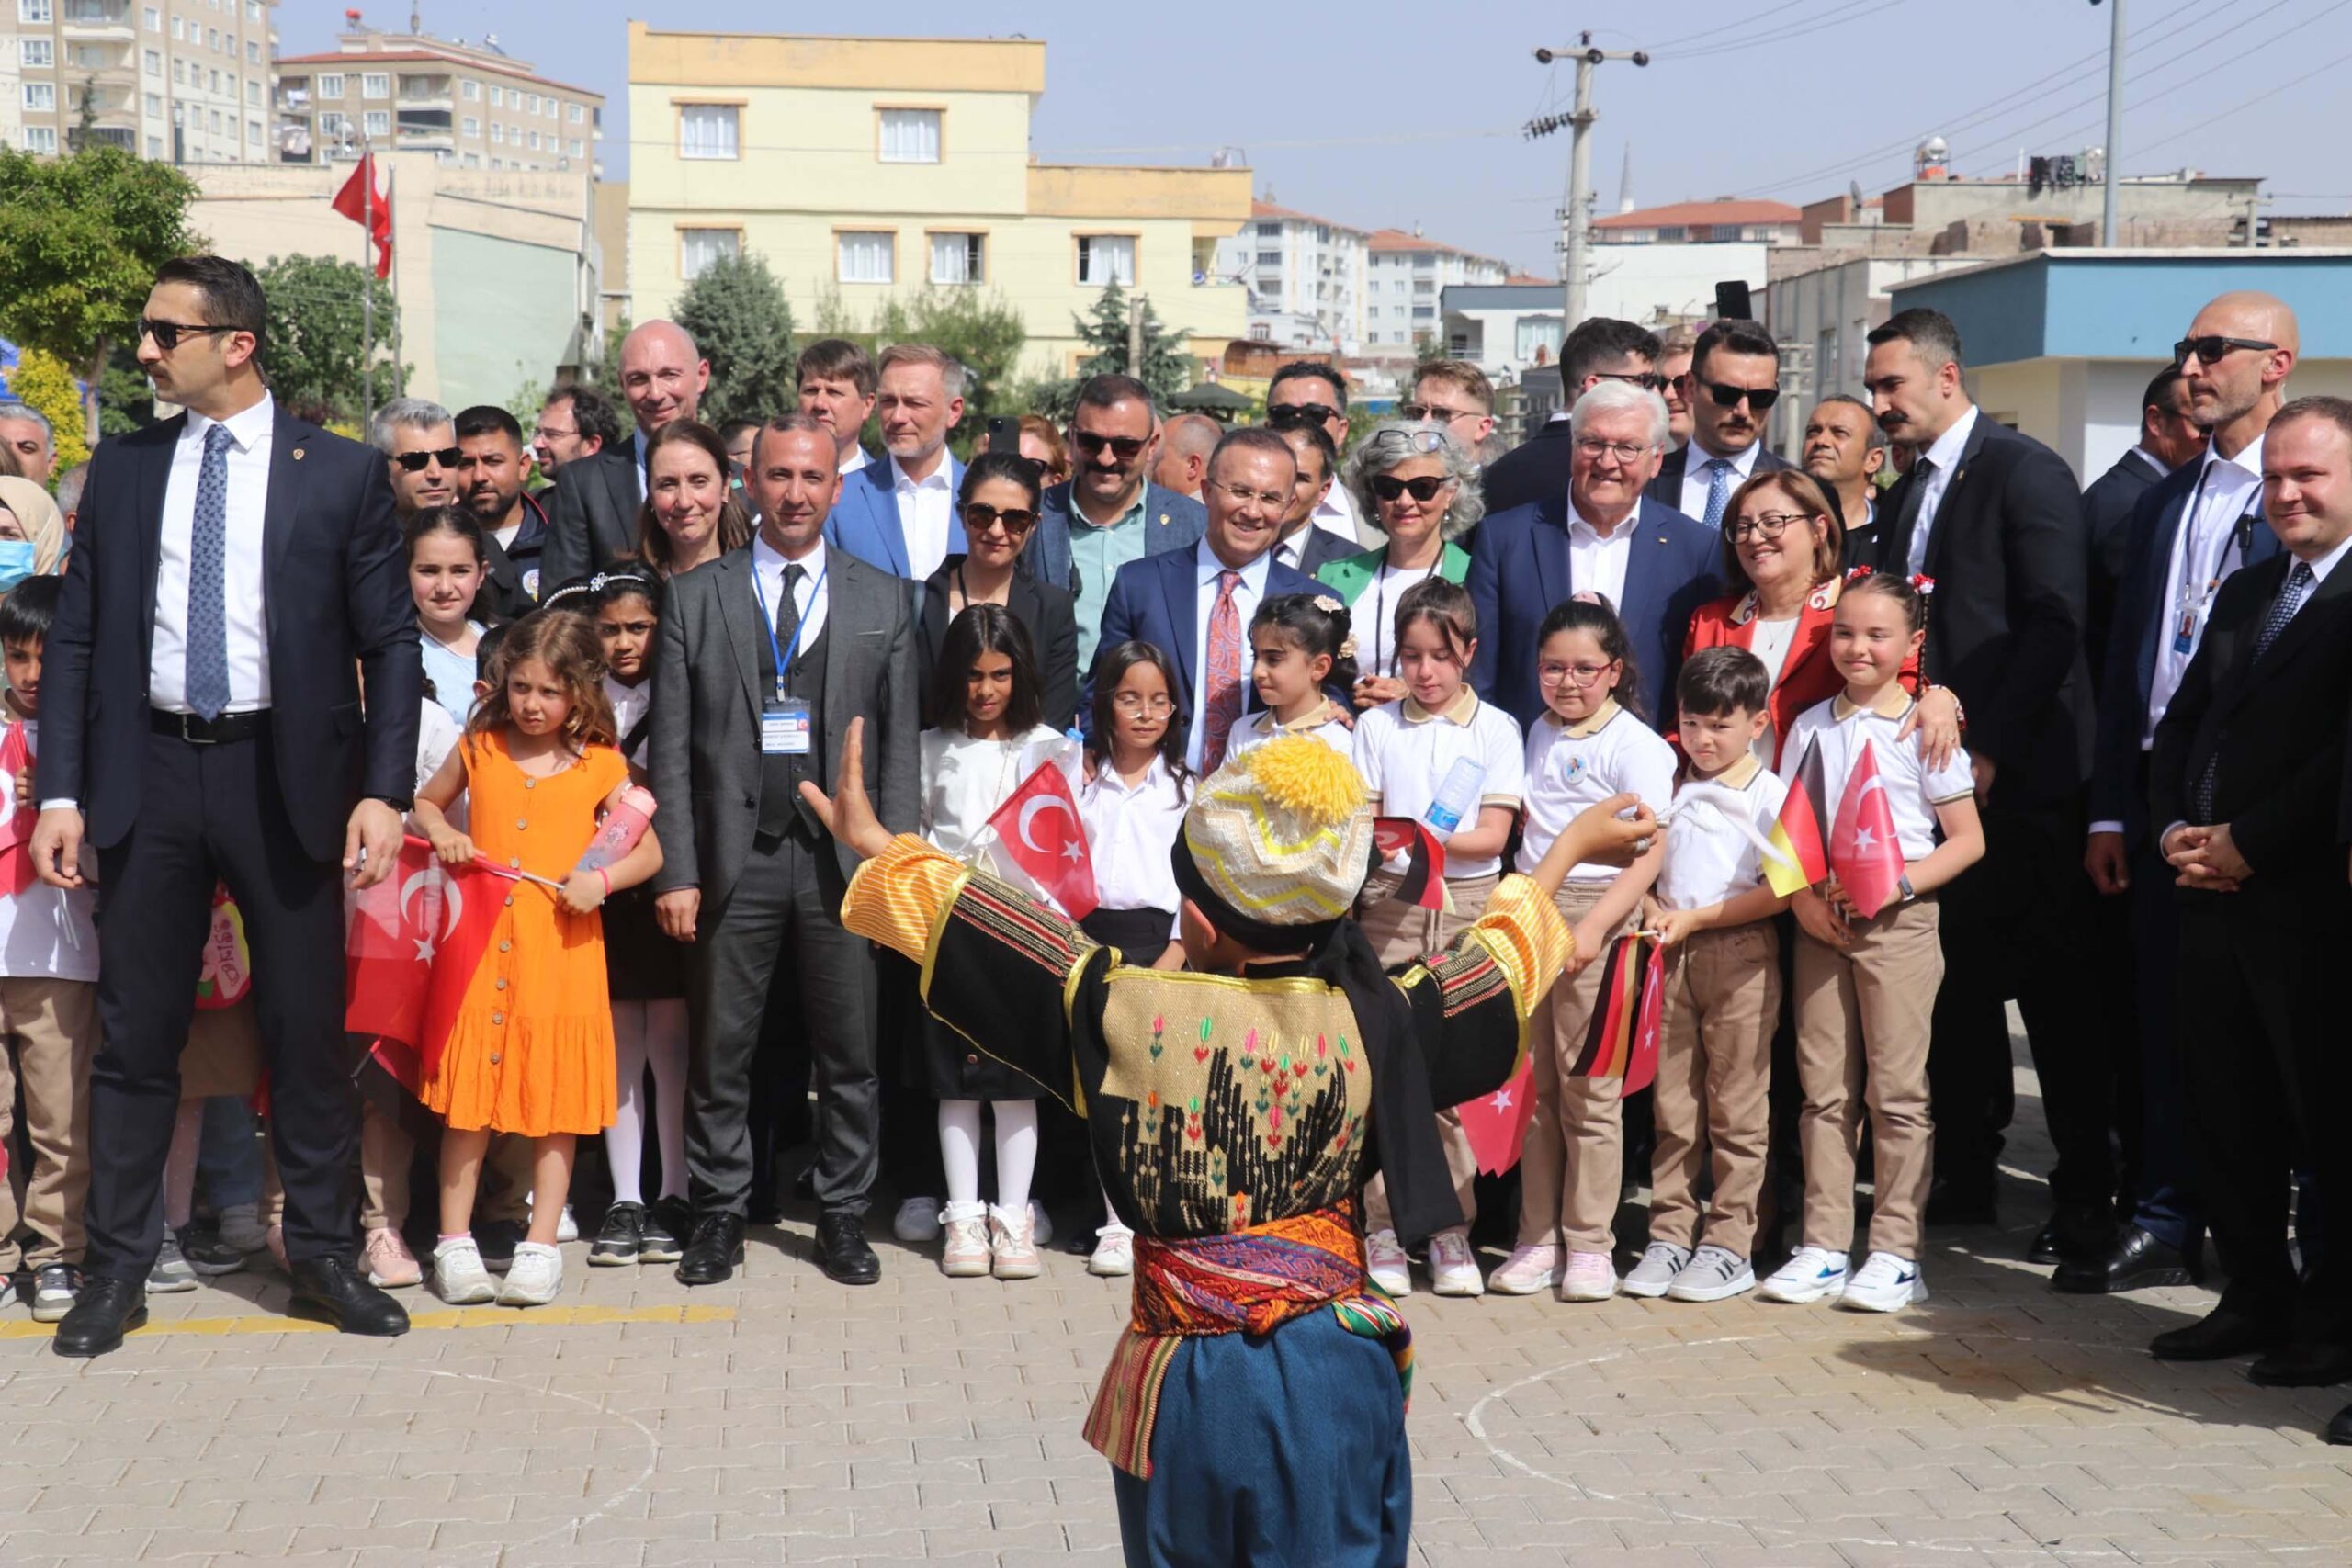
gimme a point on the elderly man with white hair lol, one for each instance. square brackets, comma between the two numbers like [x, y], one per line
[1652, 564]
[592, 509]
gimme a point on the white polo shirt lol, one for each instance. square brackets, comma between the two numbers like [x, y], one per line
[1914, 790]
[1708, 859]
[1322, 724]
[1405, 752]
[1569, 768]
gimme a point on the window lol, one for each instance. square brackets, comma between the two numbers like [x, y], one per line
[535, 103]
[497, 97]
[472, 126]
[216, 121]
[866, 257]
[1270, 231]
[708, 130]
[1106, 258]
[331, 85]
[497, 133]
[41, 139]
[472, 91]
[574, 114]
[253, 10]
[40, 97]
[959, 258]
[534, 142]
[154, 61]
[216, 81]
[575, 148]
[1534, 333]
[910, 136]
[253, 95]
[253, 51]
[1270, 258]
[332, 128]
[473, 159]
[376, 85]
[155, 104]
[154, 147]
[154, 16]
[253, 131]
[698, 248]
[35, 53]
[212, 38]
[378, 122]
[34, 10]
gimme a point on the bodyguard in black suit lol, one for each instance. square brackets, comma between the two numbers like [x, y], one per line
[236, 574]
[2248, 775]
[2169, 437]
[1995, 520]
[592, 509]
[1738, 360]
[1601, 348]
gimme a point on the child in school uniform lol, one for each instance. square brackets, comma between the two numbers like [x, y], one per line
[1712, 910]
[1865, 987]
[1300, 644]
[1588, 746]
[1443, 758]
[444, 572]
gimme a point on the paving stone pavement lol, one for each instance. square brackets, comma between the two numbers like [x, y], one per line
[783, 1419]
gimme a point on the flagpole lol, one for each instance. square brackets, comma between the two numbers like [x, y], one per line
[367, 290]
[391, 175]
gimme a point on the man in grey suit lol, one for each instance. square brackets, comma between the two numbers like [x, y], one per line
[593, 508]
[767, 654]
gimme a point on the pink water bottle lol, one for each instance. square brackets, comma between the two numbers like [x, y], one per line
[623, 826]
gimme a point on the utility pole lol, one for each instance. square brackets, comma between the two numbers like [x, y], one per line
[2109, 231]
[1578, 215]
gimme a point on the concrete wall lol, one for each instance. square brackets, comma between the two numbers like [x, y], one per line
[505, 316]
[1649, 283]
[2089, 411]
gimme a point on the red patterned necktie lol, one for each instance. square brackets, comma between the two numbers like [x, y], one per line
[1223, 709]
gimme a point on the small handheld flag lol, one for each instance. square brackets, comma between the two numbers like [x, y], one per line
[1621, 1041]
[1038, 830]
[1863, 850]
[1794, 861]
[1495, 1124]
[1424, 884]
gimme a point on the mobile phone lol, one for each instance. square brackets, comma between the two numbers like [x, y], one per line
[1004, 434]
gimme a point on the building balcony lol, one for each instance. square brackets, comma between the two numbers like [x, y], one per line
[96, 21]
[425, 92]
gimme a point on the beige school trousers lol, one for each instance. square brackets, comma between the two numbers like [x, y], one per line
[49, 1035]
[1573, 1166]
[1405, 933]
[1714, 1070]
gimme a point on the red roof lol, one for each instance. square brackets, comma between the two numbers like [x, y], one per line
[1686, 213]
[1397, 240]
[423, 57]
[1531, 280]
[1268, 209]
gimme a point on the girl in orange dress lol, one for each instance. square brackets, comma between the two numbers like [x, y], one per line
[527, 1048]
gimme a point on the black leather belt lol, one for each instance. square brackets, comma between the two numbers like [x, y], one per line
[199, 731]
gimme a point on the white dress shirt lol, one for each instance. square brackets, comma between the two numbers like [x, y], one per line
[1597, 561]
[2205, 551]
[1698, 480]
[1247, 595]
[1130, 833]
[630, 704]
[856, 459]
[244, 600]
[2155, 465]
[927, 509]
[1944, 454]
[1337, 512]
[809, 593]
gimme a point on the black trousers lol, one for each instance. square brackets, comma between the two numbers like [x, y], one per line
[777, 942]
[214, 814]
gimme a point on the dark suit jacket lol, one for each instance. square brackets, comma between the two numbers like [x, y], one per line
[2008, 554]
[2276, 726]
[1044, 610]
[705, 756]
[1320, 546]
[1531, 472]
[336, 583]
[1666, 486]
[1171, 522]
[592, 514]
[513, 582]
[2107, 505]
[1153, 600]
[1521, 570]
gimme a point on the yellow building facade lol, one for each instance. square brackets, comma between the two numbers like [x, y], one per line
[862, 169]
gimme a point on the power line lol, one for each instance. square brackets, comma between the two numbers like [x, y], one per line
[1801, 28]
[2269, 90]
[1693, 37]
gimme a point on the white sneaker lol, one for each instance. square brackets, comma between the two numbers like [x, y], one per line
[1041, 1224]
[1453, 1269]
[1114, 1253]
[1814, 1272]
[917, 1221]
[1590, 1277]
[1661, 1261]
[1528, 1271]
[241, 1227]
[459, 1276]
[1385, 1260]
[966, 1255]
[1713, 1274]
[535, 1278]
[1886, 1283]
[566, 1227]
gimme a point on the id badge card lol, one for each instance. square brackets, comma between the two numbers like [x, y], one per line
[2183, 635]
[783, 728]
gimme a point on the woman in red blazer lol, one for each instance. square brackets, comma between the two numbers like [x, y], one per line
[1783, 554]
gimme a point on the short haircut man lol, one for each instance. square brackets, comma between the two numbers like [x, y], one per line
[417, 437]
[26, 430]
[68, 493]
[1603, 348]
[837, 359]
[1185, 442]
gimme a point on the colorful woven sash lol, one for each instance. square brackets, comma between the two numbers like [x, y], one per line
[1249, 1281]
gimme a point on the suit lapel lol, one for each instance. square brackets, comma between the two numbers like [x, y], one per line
[2322, 606]
[627, 486]
[956, 543]
[739, 611]
[1645, 552]
[1948, 508]
[153, 474]
[844, 603]
[883, 507]
[1182, 590]
[286, 454]
[1549, 544]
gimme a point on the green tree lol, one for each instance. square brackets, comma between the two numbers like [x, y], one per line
[1164, 366]
[736, 313]
[80, 241]
[125, 397]
[314, 354]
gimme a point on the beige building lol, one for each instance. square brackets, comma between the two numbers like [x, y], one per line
[1408, 273]
[865, 169]
[184, 80]
[470, 105]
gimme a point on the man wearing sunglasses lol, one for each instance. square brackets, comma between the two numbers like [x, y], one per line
[1601, 348]
[419, 441]
[1735, 380]
[1308, 392]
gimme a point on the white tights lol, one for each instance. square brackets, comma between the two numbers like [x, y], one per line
[959, 1152]
[645, 1032]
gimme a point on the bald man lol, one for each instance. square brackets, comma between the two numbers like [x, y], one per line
[2192, 531]
[1185, 442]
[592, 510]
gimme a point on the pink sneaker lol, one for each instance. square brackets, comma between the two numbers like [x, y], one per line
[390, 1265]
[1529, 1270]
[1590, 1278]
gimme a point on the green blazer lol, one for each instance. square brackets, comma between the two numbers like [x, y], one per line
[1350, 575]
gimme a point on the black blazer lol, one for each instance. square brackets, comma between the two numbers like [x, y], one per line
[1536, 469]
[1320, 546]
[2107, 506]
[592, 514]
[2008, 554]
[1666, 486]
[336, 584]
[1044, 609]
[512, 581]
[2277, 725]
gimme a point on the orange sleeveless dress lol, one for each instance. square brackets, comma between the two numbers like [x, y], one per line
[530, 1049]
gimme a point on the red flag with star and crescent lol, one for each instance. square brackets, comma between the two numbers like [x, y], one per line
[1495, 1124]
[1038, 830]
[414, 941]
[16, 828]
[1863, 851]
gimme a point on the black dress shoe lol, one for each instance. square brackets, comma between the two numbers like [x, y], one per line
[841, 1251]
[2134, 1261]
[102, 1312]
[2074, 1235]
[1957, 1203]
[2340, 1429]
[716, 1247]
[2221, 1333]
[332, 1289]
[2302, 1366]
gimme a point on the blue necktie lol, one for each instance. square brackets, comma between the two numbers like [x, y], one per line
[207, 626]
[1718, 490]
[2282, 610]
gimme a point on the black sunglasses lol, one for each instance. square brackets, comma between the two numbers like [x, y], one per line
[1301, 413]
[167, 333]
[1759, 397]
[1389, 487]
[1125, 447]
[415, 462]
[979, 514]
[1648, 380]
[2212, 347]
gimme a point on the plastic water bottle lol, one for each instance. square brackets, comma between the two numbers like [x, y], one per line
[623, 826]
[1457, 797]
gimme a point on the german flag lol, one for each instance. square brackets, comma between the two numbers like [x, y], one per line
[1797, 861]
[1621, 1042]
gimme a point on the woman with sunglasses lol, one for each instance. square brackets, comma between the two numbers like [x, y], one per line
[998, 503]
[1422, 489]
[693, 513]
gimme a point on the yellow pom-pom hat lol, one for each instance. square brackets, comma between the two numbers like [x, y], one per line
[1277, 843]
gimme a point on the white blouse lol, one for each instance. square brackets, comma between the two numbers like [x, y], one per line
[964, 780]
[1130, 832]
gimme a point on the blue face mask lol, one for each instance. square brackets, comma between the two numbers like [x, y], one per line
[16, 562]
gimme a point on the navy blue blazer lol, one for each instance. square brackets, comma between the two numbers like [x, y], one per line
[1171, 522]
[1154, 600]
[1520, 569]
[2143, 618]
[865, 521]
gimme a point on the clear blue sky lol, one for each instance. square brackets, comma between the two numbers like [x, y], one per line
[1398, 112]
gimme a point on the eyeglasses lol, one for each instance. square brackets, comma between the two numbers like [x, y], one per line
[1424, 489]
[1411, 440]
[167, 333]
[1573, 674]
[1595, 448]
[1435, 412]
[1243, 495]
[1132, 706]
[552, 432]
[2207, 349]
[1648, 380]
[1301, 413]
[1766, 525]
[1125, 447]
[1729, 397]
[416, 462]
[979, 517]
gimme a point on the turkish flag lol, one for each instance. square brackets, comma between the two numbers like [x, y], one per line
[359, 202]
[1038, 830]
[1495, 1124]
[1863, 851]
[413, 942]
[16, 828]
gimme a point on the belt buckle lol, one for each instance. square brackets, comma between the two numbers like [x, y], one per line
[187, 732]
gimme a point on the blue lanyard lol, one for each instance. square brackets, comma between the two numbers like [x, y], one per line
[784, 656]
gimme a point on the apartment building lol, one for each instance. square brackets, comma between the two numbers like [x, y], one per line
[186, 79]
[1406, 273]
[471, 105]
[867, 169]
[1304, 276]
